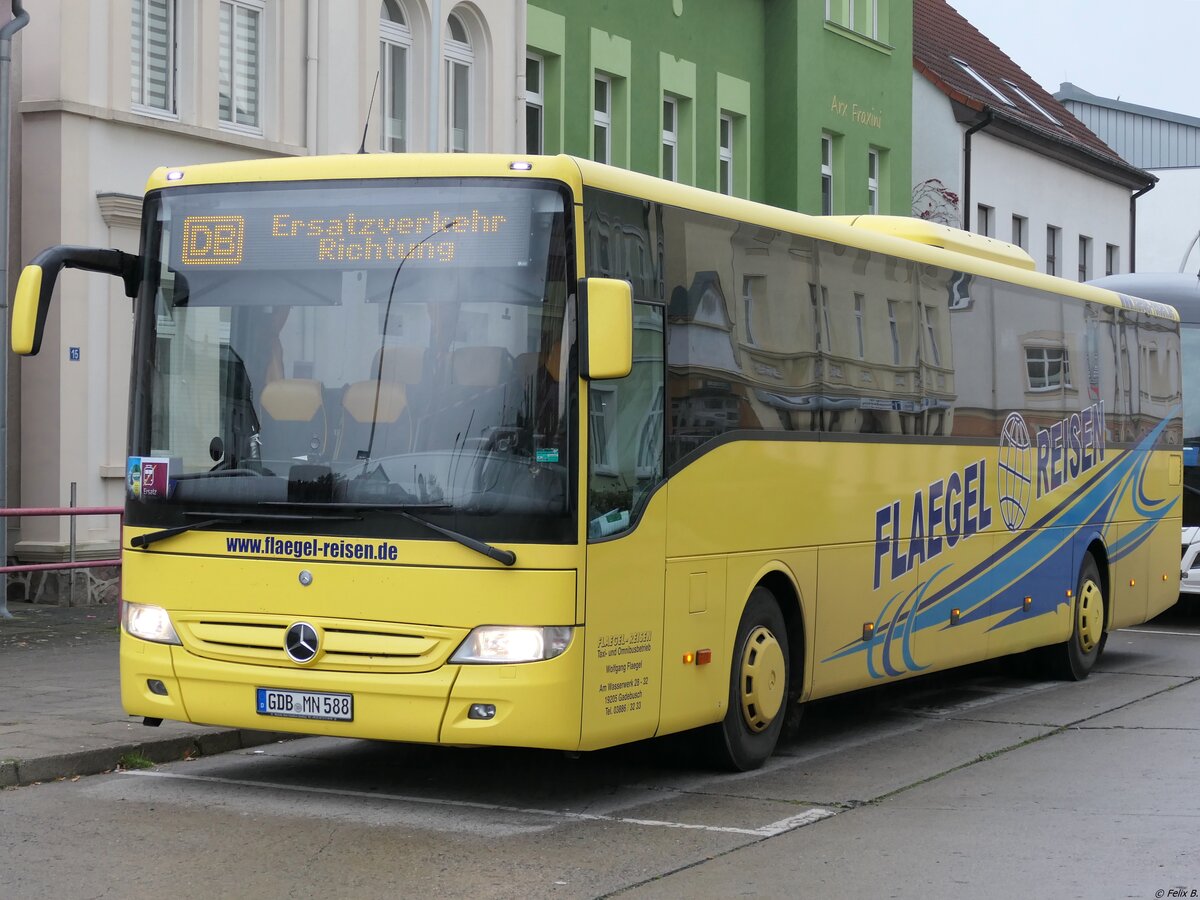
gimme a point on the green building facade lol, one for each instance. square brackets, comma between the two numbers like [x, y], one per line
[801, 104]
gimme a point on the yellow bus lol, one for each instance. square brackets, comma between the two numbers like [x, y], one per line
[484, 450]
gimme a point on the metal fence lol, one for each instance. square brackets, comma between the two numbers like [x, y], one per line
[71, 563]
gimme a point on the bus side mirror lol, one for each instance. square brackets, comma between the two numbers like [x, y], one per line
[31, 302]
[606, 328]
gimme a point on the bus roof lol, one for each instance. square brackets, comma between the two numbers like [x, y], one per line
[1180, 289]
[922, 242]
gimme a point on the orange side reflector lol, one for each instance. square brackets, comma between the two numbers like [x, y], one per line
[703, 657]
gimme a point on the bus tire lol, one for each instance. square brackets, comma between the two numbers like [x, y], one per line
[1073, 660]
[758, 687]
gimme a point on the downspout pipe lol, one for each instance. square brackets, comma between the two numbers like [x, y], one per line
[19, 20]
[978, 126]
[1133, 224]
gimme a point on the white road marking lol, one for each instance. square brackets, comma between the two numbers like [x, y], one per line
[1153, 631]
[775, 828]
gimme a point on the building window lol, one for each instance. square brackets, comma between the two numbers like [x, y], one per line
[1048, 368]
[861, 16]
[602, 119]
[873, 181]
[826, 174]
[725, 155]
[1053, 248]
[1024, 96]
[535, 104]
[751, 285]
[983, 82]
[602, 421]
[395, 49]
[859, 299]
[153, 55]
[240, 63]
[1112, 259]
[460, 60]
[983, 220]
[1085, 258]
[1020, 232]
[931, 322]
[670, 139]
[894, 328]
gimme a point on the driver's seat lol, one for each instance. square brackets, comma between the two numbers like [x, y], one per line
[383, 400]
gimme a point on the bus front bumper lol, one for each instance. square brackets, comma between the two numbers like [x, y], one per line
[536, 704]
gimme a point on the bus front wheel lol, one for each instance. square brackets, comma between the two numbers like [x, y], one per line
[1073, 660]
[758, 687]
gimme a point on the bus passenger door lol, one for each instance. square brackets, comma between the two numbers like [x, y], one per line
[626, 534]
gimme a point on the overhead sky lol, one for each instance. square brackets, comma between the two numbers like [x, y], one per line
[1143, 52]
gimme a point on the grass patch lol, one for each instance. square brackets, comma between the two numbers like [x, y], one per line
[135, 760]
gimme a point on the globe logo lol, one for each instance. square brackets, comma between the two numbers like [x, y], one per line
[1016, 482]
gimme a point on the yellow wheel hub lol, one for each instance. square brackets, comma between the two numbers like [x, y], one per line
[763, 679]
[1089, 616]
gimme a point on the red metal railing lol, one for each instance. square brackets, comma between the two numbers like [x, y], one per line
[17, 513]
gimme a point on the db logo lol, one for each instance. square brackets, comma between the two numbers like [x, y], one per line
[213, 240]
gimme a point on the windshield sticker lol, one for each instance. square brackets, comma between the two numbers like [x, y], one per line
[149, 477]
[546, 454]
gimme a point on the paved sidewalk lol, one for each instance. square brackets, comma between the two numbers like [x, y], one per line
[60, 701]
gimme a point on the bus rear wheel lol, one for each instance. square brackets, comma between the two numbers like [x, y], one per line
[1073, 660]
[758, 687]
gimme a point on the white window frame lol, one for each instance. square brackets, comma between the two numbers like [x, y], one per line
[535, 98]
[602, 118]
[894, 328]
[606, 412]
[748, 284]
[650, 438]
[930, 314]
[459, 56]
[826, 174]
[258, 9]
[983, 82]
[670, 137]
[1020, 231]
[985, 218]
[1024, 96]
[859, 312]
[1053, 249]
[140, 64]
[1042, 356]
[725, 154]
[395, 34]
[873, 182]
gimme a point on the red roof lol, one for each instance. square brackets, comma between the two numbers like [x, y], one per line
[941, 35]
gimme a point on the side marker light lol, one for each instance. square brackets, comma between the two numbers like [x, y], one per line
[954, 614]
[1028, 604]
[868, 630]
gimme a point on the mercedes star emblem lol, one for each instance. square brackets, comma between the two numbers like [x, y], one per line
[301, 642]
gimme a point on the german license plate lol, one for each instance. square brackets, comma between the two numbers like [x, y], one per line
[305, 705]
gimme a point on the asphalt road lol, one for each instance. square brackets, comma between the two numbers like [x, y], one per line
[975, 784]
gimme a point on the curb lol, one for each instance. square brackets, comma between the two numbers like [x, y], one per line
[19, 772]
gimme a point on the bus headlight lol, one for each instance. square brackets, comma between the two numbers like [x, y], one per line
[150, 623]
[513, 644]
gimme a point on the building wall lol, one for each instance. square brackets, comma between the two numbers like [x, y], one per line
[706, 53]
[1013, 181]
[85, 151]
[783, 68]
[1168, 218]
[858, 90]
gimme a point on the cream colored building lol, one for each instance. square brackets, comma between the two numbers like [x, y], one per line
[106, 91]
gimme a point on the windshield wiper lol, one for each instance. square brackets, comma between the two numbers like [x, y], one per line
[404, 510]
[141, 541]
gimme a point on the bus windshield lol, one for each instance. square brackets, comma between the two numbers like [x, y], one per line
[357, 346]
